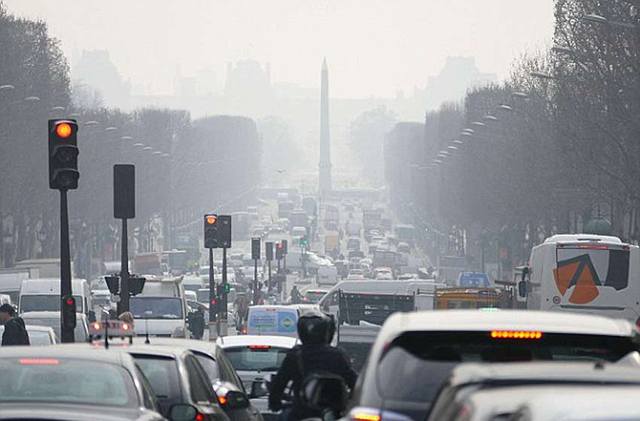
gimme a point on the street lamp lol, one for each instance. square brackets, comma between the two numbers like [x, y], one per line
[139, 145]
[505, 107]
[32, 99]
[91, 123]
[126, 138]
[458, 142]
[466, 134]
[562, 50]
[147, 148]
[470, 131]
[599, 19]
[7, 88]
[57, 108]
[490, 117]
[452, 148]
[520, 95]
[110, 129]
[479, 124]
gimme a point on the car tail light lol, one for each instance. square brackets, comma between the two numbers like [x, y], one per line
[39, 361]
[222, 400]
[259, 347]
[199, 417]
[515, 334]
[364, 414]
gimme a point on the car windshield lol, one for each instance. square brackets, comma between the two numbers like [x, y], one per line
[66, 381]
[256, 358]
[79, 332]
[45, 303]
[156, 307]
[428, 357]
[38, 337]
[162, 373]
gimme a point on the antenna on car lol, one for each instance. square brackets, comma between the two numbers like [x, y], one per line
[146, 331]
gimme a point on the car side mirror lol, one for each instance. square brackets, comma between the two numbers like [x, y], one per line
[182, 412]
[258, 389]
[229, 396]
[322, 391]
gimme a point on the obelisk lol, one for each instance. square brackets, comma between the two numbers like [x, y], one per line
[324, 178]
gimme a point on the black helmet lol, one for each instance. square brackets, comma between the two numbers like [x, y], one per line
[315, 328]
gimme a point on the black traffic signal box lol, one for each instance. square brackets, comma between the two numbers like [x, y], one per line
[211, 231]
[285, 246]
[255, 249]
[224, 231]
[124, 191]
[279, 251]
[69, 312]
[268, 250]
[63, 154]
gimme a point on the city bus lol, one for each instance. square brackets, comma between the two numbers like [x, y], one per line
[584, 273]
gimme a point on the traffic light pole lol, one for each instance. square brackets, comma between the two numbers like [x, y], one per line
[123, 305]
[255, 282]
[223, 299]
[213, 307]
[269, 268]
[65, 266]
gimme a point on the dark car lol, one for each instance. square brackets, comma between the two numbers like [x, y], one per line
[69, 383]
[177, 377]
[228, 386]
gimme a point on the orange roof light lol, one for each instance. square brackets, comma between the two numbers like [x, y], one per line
[63, 130]
[211, 219]
[516, 334]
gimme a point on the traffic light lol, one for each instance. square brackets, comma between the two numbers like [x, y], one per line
[211, 231]
[213, 308]
[69, 312]
[279, 251]
[136, 284]
[63, 154]
[268, 250]
[285, 246]
[255, 248]
[113, 283]
[304, 241]
[224, 231]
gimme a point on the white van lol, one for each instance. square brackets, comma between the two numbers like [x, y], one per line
[160, 310]
[44, 295]
[584, 273]
[276, 320]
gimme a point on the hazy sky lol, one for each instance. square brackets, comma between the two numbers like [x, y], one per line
[373, 47]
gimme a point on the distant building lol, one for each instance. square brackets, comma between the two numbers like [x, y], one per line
[457, 76]
[96, 70]
[248, 89]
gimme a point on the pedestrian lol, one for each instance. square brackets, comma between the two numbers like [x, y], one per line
[15, 331]
[126, 317]
[296, 297]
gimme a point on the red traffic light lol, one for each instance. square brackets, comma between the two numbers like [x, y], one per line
[214, 302]
[63, 130]
[280, 246]
[211, 219]
[71, 301]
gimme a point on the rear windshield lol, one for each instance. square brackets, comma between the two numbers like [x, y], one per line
[272, 320]
[591, 266]
[428, 357]
[247, 358]
[66, 381]
[210, 366]
[162, 373]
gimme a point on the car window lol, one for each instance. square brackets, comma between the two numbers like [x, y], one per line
[201, 388]
[209, 365]
[256, 358]
[147, 391]
[230, 373]
[66, 380]
[163, 376]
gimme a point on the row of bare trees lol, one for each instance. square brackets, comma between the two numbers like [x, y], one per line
[184, 167]
[555, 148]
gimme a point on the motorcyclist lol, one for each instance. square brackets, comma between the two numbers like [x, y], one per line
[315, 355]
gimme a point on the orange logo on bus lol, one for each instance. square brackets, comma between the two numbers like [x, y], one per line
[578, 272]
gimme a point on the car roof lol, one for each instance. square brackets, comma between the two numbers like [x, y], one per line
[542, 372]
[194, 345]
[63, 351]
[273, 306]
[586, 404]
[482, 321]
[247, 340]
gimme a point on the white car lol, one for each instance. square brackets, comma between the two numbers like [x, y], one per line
[52, 319]
[384, 274]
[254, 357]
[38, 335]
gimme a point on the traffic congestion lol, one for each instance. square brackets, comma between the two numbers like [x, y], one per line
[406, 210]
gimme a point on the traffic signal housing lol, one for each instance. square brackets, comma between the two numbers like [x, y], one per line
[268, 250]
[224, 231]
[211, 231]
[285, 247]
[279, 251]
[255, 249]
[69, 312]
[63, 154]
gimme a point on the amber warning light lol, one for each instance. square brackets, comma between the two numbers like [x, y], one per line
[211, 219]
[63, 130]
